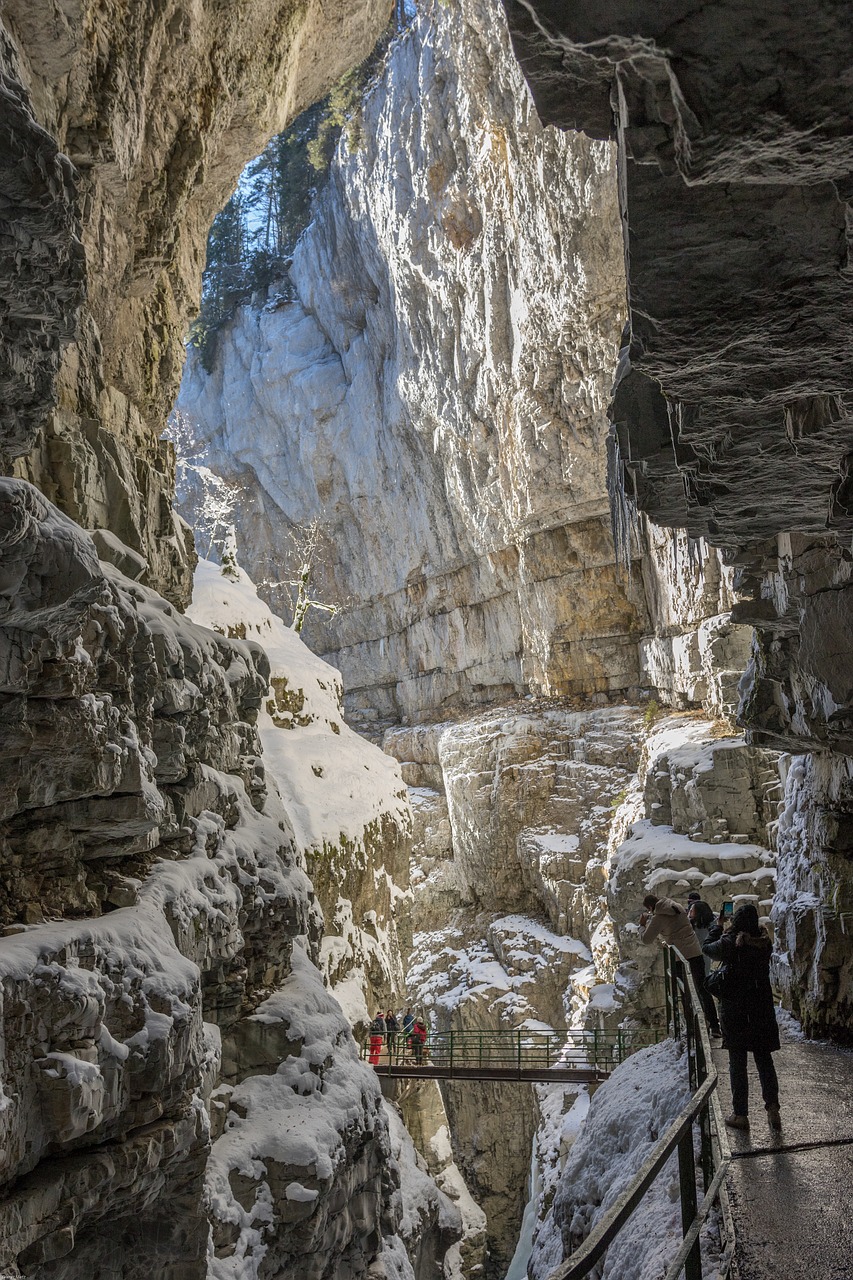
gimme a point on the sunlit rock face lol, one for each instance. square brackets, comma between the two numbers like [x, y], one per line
[156, 108]
[513, 779]
[435, 394]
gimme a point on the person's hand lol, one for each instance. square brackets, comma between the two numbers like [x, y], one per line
[644, 920]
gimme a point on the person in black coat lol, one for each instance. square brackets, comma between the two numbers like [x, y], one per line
[747, 1012]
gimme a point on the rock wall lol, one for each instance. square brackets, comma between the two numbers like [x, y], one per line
[123, 133]
[163, 941]
[538, 831]
[456, 370]
[732, 410]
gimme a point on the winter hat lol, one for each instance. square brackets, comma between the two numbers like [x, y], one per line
[745, 920]
[693, 896]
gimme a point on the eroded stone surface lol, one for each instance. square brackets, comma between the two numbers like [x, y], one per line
[135, 796]
[156, 110]
[456, 371]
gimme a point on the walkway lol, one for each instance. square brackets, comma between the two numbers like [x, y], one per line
[791, 1190]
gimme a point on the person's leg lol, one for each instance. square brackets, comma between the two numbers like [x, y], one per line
[697, 971]
[740, 1082]
[769, 1080]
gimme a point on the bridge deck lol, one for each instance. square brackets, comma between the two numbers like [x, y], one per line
[541, 1075]
[521, 1053]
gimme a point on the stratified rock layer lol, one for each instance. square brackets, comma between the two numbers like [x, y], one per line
[137, 815]
[439, 408]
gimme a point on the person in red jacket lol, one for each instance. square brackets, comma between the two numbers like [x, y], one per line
[377, 1038]
[418, 1039]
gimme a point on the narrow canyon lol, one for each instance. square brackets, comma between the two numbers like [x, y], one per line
[425, 531]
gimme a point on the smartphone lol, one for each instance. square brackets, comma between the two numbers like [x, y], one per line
[728, 909]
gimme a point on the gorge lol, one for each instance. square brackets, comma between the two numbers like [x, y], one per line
[558, 378]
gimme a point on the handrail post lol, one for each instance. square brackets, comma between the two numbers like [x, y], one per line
[667, 993]
[450, 1049]
[676, 1012]
[687, 1182]
[519, 1052]
[690, 1040]
[620, 1046]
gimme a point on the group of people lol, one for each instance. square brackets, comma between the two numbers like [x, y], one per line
[747, 1016]
[405, 1033]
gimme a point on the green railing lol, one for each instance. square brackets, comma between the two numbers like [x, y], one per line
[687, 1022]
[521, 1049]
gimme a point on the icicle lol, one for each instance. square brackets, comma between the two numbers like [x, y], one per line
[623, 509]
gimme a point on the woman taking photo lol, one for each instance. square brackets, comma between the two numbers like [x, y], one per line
[747, 1012]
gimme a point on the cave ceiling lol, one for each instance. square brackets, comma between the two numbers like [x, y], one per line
[733, 403]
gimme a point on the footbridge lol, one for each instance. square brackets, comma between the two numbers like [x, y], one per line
[524, 1054]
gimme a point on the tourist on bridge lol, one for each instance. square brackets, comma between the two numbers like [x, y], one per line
[408, 1023]
[377, 1038]
[418, 1039]
[666, 920]
[747, 1010]
[391, 1028]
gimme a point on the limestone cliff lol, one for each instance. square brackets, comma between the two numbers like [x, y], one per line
[732, 409]
[124, 130]
[538, 831]
[162, 938]
[434, 396]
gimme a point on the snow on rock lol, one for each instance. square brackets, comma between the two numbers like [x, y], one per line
[627, 1114]
[512, 969]
[583, 813]
[483, 973]
[702, 815]
[430, 1224]
[296, 1177]
[332, 783]
[301, 1168]
[110, 1035]
[133, 797]
[343, 797]
[139, 798]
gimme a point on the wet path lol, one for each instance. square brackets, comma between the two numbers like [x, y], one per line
[792, 1192]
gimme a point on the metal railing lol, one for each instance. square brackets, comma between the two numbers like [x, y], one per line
[683, 1011]
[520, 1049]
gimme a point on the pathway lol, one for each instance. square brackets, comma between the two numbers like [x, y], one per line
[791, 1191]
